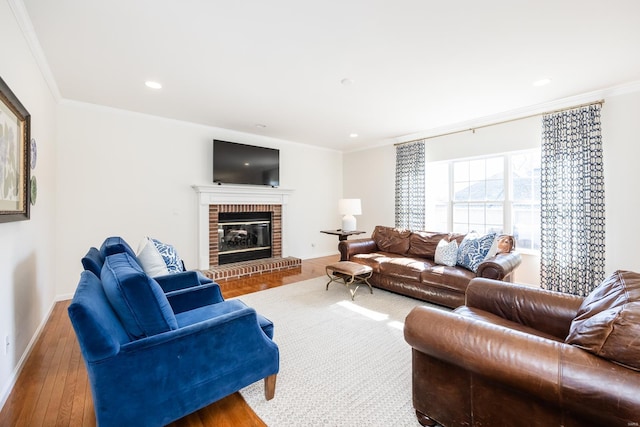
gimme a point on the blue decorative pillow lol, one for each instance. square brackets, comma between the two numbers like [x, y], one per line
[474, 250]
[157, 258]
[169, 255]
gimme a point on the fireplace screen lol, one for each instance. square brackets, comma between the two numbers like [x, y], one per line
[243, 237]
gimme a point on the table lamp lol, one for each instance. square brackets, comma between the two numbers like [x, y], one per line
[348, 208]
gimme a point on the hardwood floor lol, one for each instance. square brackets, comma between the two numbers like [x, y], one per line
[53, 388]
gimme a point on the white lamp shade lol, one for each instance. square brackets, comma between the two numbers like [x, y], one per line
[350, 207]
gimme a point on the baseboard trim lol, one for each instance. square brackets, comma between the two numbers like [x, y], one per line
[8, 387]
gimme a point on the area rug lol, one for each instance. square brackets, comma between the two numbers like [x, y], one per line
[342, 362]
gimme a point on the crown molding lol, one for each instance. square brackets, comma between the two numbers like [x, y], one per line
[26, 26]
[522, 113]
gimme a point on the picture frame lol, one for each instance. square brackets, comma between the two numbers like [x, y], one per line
[15, 148]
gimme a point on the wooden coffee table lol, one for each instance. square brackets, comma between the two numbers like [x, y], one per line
[349, 273]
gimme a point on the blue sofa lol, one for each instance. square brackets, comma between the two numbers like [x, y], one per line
[153, 358]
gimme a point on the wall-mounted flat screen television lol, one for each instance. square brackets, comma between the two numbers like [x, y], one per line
[235, 163]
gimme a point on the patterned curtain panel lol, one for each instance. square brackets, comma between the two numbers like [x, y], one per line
[410, 196]
[572, 201]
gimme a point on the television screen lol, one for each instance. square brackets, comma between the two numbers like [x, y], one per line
[235, 163]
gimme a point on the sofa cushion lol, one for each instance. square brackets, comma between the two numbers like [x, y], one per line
[474, 249]
[136, 298]
[485, 316]
[450, 278]
[446, 253]
[211, 311]
[373, 259]
[390, 239]
[424, 243]
[404, 267]
[608, 321]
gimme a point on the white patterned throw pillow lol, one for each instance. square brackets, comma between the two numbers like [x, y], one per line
[157, 258]
[474, 249]
[446, 253]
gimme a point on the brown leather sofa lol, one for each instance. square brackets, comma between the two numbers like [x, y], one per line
[517, 355]
[403, 262]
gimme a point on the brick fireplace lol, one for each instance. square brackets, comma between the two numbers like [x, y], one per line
[217, 199]
[214, 215]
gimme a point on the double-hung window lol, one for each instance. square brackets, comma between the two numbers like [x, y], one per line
[498, 193]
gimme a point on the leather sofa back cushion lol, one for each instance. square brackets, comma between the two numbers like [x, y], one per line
[392, 240]
[423, 243]
[608, 321]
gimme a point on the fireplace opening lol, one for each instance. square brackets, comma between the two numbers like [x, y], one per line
[244, 236]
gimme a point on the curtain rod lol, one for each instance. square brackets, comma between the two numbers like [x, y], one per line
[473, 129]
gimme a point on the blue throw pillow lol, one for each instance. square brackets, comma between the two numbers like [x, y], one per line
[169, 255]
[474, 250]
[157, 258]
[136, 298]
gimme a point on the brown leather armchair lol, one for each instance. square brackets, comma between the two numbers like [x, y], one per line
[517, 355]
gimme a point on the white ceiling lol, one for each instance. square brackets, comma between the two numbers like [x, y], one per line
[415, 65]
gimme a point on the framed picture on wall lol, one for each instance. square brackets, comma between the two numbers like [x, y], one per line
[15, 131]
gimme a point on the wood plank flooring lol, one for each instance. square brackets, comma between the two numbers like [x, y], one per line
[53, 387]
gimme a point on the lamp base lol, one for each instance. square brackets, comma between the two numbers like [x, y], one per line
[348, 223]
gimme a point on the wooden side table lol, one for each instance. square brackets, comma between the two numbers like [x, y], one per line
[342, 235]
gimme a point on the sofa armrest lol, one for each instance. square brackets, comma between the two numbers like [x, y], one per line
[544, 310]
[558, 373]
[499, 266]
[198, 296]
[182, 280]
[348, 248]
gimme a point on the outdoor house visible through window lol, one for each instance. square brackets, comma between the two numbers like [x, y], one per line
[499, 193]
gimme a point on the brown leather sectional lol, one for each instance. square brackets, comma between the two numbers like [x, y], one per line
[516, 355]
[403, 262]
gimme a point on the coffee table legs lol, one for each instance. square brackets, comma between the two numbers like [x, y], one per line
[349, 279]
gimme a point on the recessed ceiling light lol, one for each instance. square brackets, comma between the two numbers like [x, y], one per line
[542, 82]
[153, 85]
[346, 82]
[353, 135]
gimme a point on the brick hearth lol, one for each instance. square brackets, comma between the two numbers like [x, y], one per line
[251, 268]
[248, 268]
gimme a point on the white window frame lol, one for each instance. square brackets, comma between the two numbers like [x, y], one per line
[507, 203]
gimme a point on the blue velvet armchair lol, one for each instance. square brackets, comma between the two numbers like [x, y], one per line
[150, 361]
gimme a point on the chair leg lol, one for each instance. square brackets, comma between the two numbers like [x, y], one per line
[424, 420]
[270, 387]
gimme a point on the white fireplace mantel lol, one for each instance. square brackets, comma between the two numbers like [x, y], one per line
[234, 195]
[240, 195]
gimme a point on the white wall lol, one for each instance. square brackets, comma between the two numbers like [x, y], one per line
[370, 174]
[27, 267]
[129, 174]
[621, 145]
